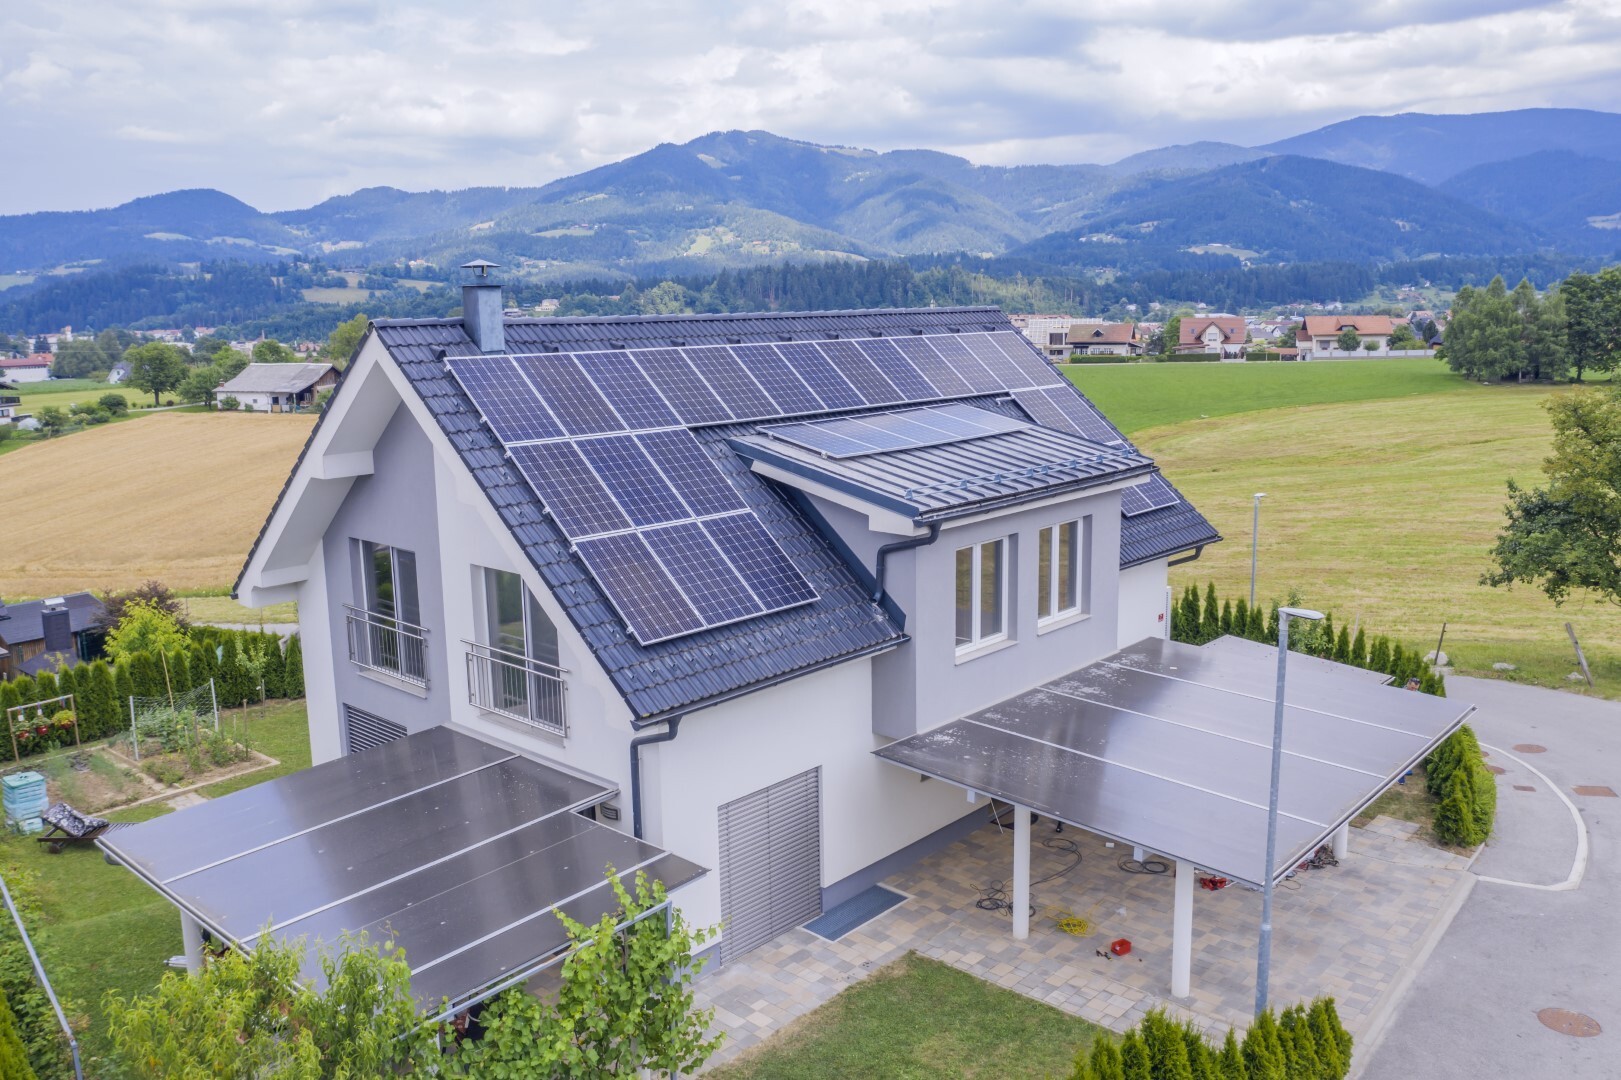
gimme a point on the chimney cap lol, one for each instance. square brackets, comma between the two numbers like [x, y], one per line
[480, 267]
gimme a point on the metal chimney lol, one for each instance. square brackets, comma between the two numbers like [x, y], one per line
[482, 309]
[56, 626]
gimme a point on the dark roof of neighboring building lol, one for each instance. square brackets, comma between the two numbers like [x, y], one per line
[668, 677]
[47, 661]
[21, 621]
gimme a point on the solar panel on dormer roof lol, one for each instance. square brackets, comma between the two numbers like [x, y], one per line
[873, 433]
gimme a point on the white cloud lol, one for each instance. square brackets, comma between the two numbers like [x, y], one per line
[283, 102]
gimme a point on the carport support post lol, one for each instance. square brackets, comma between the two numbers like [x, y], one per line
[1341, 840]
[191, 941]
[1021, 872]
[1182, 932]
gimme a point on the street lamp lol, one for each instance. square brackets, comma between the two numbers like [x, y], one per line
[1255, 541]
[1263, 965]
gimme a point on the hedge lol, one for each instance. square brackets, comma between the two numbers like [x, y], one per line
[1301, 1043]
[1187, 358]
[102, 688]
[1456, 774]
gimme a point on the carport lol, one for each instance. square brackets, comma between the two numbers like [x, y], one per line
[1167, 747]
[460, 850]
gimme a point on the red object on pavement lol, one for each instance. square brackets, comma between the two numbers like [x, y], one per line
[1120, 946]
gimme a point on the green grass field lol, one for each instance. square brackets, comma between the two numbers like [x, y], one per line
[65, 392]
[1138, 396]
[102, 929]
[918, 1018]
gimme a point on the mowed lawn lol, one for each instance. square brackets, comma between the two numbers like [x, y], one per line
[1384, 511]
[174, 496]
[918, 1019]
[1138, 396]
[65, 392]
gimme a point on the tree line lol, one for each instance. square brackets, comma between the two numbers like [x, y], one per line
[1574, 328]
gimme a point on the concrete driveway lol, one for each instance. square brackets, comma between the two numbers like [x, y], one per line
[1542, 927]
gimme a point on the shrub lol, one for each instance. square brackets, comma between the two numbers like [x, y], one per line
[35, 1020]
[292, 679]
[229, 403]
[165, 771]
[13, 1057]
[1187, 358]
[115, 404]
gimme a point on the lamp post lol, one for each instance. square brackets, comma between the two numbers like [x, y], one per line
[1255, 542]
[1263, 963]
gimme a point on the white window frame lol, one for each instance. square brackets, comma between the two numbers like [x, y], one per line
[976, 640]
[1079, 579]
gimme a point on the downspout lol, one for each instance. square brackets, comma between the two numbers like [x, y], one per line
[1187, 558]
[667, 735]
[899, 545]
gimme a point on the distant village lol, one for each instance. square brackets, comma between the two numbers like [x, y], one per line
[1221, 337]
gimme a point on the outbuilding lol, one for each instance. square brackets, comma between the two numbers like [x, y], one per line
[278, 387]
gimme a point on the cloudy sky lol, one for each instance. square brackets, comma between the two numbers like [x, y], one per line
[285, 102]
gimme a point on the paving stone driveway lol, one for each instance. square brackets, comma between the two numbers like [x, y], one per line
[1346, 931]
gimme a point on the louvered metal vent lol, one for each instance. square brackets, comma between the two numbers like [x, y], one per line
[770, 862]
[363, 730]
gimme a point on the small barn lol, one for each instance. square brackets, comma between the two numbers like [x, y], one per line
[278, 387]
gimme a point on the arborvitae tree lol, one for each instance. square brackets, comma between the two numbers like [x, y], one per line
[1299, 1045]
[1167, 1053]
[1230, 1060]
[1455, 820]
[1210, 622]
[1257, 624]
[1398, 660]
[1379, 655]
[1106, 1062]
[1359, 649]
[1272, 623]
[204, 665]
[1226, 616]
[124, 684]
[101, 698]
[1134, 1059]
[1342, 646]
[1187, 622]
[67, 682]
[179, 663]
[1082, 1068]
[13, 1055]
[1333, 1041]
[9, 698]
[293, 669]
[1241, 618]
[1201, 1057]
[45, 687]
[147, 675]
[1263, 1050]
[275, 667]
[231, 679]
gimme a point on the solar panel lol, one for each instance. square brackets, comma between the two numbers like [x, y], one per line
[504, 398]
[966, 364]
[569, 488]
[691, 471]
[759, 561]
[578, 405]
[932, 366]
[997, 363]
[778, 378]
[648, 601]
[630, 393]
[852, 436]
[897, 369]
[821, 376]
[708, 579]
[1062, 408]
[860, 372]
[687, 394]
[733, 385]
[633, 480]
[1026, 358]
[1156, 494]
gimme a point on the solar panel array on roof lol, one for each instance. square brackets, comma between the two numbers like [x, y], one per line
[1155, 494]
[874, 433]
[1062, 408]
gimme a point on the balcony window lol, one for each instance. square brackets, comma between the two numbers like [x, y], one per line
[384, 631]
[513, 671]
[981, 594]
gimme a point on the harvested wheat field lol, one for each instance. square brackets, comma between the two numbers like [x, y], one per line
[177, 496]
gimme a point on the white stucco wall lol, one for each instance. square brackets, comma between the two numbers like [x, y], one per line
[869, 809]
[1142, 602]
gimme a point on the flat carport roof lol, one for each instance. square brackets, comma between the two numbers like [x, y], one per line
[458, 849]
[1168, 747]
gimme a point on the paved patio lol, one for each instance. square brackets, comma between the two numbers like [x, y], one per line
[1345, 931]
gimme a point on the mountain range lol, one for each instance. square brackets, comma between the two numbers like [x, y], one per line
[1369, 189]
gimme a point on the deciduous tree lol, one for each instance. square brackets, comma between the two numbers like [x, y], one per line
[344, 340]
[156, 367]
[1349, 340]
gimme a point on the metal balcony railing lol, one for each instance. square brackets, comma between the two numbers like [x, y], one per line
[389, 645]
[512, 685]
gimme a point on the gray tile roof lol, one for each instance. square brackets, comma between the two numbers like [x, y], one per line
[673, 676]
[21, 621]
[275, 379]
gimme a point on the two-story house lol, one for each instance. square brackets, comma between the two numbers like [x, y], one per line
[1105, 339]
[1224, 335]
[716, 561]
[1319, 335]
